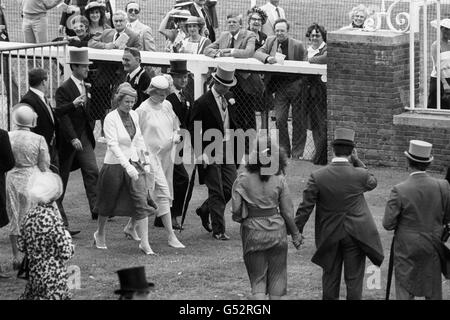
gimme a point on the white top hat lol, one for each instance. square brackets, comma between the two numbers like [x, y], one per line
[419, 151]
[225, 75]
[443, 23]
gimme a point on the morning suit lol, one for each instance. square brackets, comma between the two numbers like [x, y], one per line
[249, 85]
[75, 123]
[46, 125]
[272, 16]
[219, 178]
[180, 175]
[6, 163]
[417, 209]
[287, 89]
[140, 82]
[345, 232]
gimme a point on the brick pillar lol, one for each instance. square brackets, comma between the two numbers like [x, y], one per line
[368, 83]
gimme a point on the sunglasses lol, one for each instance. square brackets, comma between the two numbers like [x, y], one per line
[316, 35]
[136, 11]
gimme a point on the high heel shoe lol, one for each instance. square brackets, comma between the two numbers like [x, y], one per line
[147, 252]
[132, 235]
[175, 243]
[96, 244]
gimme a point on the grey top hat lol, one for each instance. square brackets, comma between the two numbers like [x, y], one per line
[225, 76]
[79, 56]
[344, 136]
[419, 151]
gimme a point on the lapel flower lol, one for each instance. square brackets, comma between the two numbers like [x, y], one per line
[231, 101]
[188, 105]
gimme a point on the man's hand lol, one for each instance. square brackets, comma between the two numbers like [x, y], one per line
[79, 101]
[297, 240]
[76, 143]
[110, 45]
[271, 60]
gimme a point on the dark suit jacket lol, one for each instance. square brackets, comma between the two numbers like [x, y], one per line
[296, 50]
[108, 36]
[262, 39]
[6, 164]
[45, 126]
[140, 83]
[205, 109]
[337, 192]
[417, 209]
[72, 121]
[182, 110]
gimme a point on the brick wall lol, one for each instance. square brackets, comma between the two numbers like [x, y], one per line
[368, 84]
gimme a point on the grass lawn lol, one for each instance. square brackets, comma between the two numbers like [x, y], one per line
[207, 269]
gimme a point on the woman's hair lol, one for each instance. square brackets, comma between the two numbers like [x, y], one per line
[359, 8]
[319, 29]
[124, 89]
[102, 21]
[44, 187]
[258, 11]
[272, 152]
[81, 19]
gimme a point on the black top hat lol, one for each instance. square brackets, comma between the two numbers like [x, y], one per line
[132, 280]
[178, 67]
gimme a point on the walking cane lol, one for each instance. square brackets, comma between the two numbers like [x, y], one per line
[188, 197]
[390, 269]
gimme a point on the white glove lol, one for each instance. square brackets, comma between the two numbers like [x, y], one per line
[132, 172]
[147, 168]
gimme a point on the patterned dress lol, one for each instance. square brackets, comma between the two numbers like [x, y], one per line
[31, 154]
[47, 244]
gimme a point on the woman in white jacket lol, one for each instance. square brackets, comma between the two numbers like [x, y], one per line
[123, 185]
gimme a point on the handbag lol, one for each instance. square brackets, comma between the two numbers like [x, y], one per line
[24, 269]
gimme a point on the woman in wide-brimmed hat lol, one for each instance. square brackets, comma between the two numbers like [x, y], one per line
[95, 12]
[195, 42]
[445, 67]
[173, 28]
[31, 155]
[45, 241]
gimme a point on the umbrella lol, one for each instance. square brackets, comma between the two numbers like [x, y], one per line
[187, 199]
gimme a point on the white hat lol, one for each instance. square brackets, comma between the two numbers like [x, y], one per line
[44, 187]
[419, 151]
[160, 82]
[24, 116]
[444, 23]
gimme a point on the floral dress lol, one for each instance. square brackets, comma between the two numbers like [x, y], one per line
[47, 244]
[31, 155]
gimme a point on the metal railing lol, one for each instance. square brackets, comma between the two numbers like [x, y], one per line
[17, 59]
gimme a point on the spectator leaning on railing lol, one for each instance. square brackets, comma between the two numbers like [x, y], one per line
[95, 13]
[195, 42]
[174, 31]
[286, 86]
[145, 32]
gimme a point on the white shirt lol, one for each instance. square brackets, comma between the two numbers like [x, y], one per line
[416, 172]
[79, 84]
[134, 72]
[224, 114]
[42, 96]
[199, 10]
[312, 52]
[272, 16]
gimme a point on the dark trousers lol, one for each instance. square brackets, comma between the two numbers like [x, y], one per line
[219, 179]
[89, 170]
[54, 166]
[180, 186]
[353, 258]
[432, 95]
[286, 95]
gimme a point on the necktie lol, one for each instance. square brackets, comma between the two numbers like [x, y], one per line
[182, 98]
[224, 103]
[49, 108]
[231, 42]
[208, 23]
[278, 12]
[128, 78]
[116, 36]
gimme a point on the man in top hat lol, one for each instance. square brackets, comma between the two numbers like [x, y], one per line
[134, 24]
[345, 230]
[77, 138]
[417, 209]
[181, 105]
[133, 284]
[213, 110]
[137, 76]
